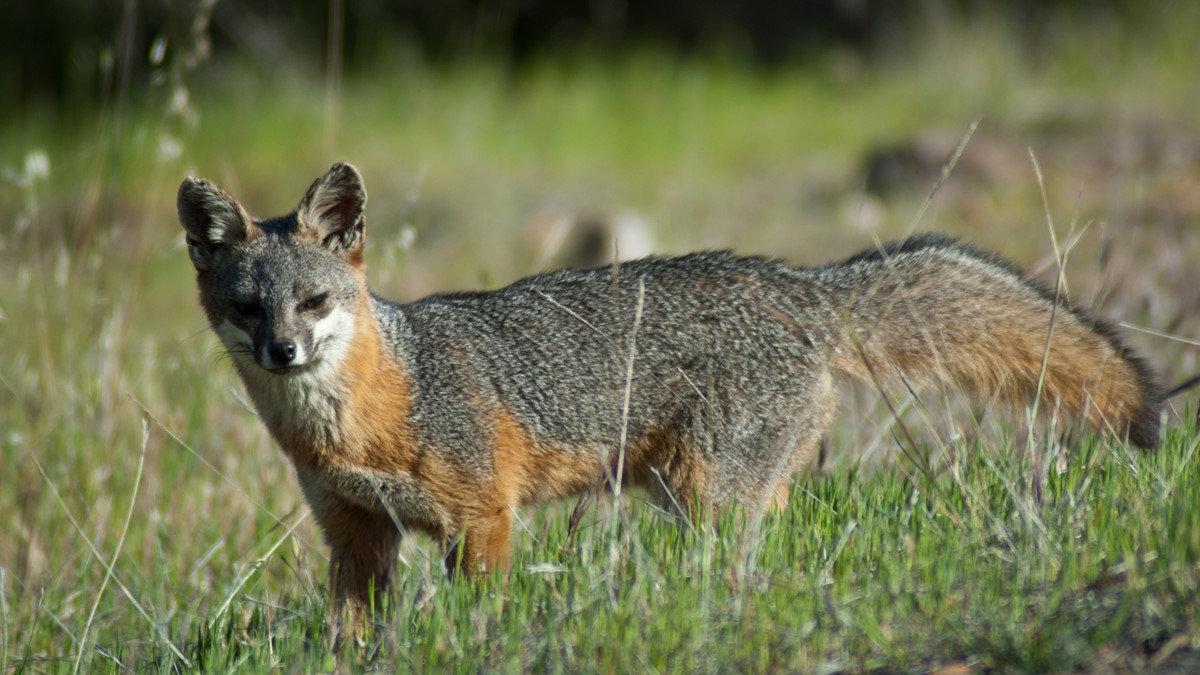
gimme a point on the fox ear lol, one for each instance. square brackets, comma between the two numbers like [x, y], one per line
[332, 211]
[211, 219]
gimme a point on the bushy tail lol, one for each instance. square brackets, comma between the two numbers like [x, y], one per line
[934, 309]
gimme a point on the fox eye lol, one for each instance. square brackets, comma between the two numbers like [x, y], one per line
[315, 301]
[246, 308]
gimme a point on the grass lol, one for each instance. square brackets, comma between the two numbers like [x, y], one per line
[125, 438]
[865, 569]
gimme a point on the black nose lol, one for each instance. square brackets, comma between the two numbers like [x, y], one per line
[282, 351]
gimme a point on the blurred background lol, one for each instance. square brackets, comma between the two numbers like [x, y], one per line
[501, 139]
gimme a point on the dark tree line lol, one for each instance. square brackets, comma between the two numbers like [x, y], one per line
[75, 50]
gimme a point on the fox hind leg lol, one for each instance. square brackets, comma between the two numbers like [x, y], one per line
[808, 447]
[777, 499]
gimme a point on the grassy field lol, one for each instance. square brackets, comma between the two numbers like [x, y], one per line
[149, 523]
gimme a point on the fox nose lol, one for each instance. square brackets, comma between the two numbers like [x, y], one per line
[282, 352]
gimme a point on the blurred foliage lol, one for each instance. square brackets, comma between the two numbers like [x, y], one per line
[73, 52]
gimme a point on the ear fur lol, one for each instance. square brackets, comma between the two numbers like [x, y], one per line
[211, 219]
[332, 211]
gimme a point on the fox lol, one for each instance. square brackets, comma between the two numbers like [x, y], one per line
[704, 380]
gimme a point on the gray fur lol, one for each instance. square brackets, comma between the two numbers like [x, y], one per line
[702, 336]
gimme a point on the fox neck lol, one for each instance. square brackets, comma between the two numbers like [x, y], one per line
[324, 414]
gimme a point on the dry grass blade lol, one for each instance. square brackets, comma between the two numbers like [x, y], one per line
[521, 522]
[1158, 333]
[1041, 382]
[580, 508]
[606, 466]
[162, 635]
[615, 277]
[671, 495]
[918, 459]
[872, 446]
[1037, 172]
[1059, 257]
[637, 323]
[3, 621]
[613, 345]
[908, 447]
[391, 512]
[217, 471]
[254, 567]
[575, 314]
[137, 481]
[947, 169]
[827, 570]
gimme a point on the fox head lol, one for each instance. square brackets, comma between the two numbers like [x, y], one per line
[281, 293]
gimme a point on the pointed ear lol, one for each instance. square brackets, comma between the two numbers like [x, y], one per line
[211, 219]
[332, 211]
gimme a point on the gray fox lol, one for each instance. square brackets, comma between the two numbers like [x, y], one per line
[445, 414]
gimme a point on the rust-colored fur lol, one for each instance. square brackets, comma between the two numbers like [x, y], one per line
[1082, 374]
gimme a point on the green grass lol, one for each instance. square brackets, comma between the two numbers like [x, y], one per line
[865, 569]
[875, 564]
